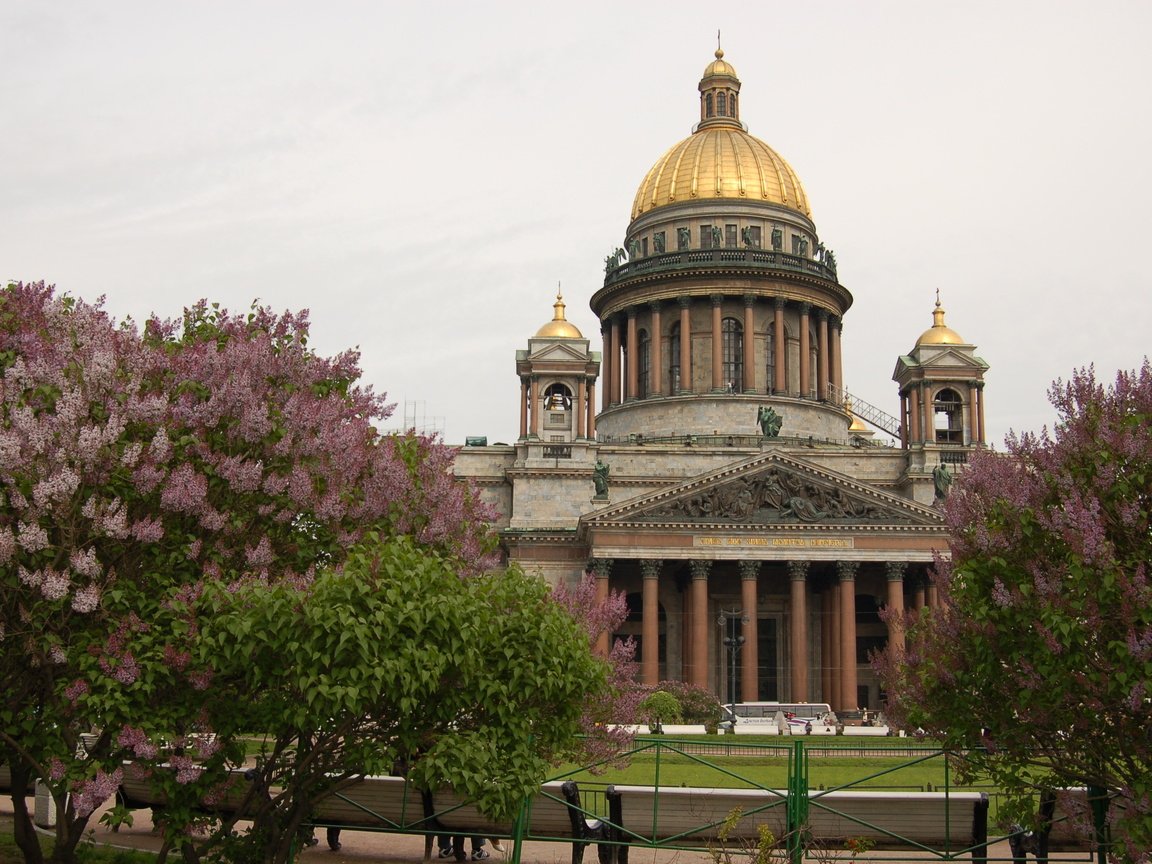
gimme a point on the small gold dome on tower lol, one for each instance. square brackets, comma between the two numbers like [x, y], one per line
[558, 327]
[938, 333]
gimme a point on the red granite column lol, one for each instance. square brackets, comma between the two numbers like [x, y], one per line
[700, 570]
[606, 365]
[895, 571]
[837, 359]
[614, 381]
[798, 630]
[718, 382]
[914, 414]
[685, 345]
[832, 661]
[980, 390]
[779, 346]
[602, 567]
[750, 653]
[580, 409]
[657, 364]
[523, 408]
[904, 421]
[632, 358]
[822, 355]
[805, 353]
[749, 383]
[650, 623]
[847, 573]
[592, 410]
[535, 398]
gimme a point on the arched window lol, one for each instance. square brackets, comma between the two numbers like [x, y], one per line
[674, 358]
[707, 104]
[948, 411]
[557, 397]
[643, 364]
[721, 104]
[732, 354]
[732, 105]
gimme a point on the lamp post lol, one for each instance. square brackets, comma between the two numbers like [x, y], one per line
[730, 622]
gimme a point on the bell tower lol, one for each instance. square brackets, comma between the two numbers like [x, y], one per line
[558, 376]
[941, 385]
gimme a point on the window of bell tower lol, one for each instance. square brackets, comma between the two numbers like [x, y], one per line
[948, 411]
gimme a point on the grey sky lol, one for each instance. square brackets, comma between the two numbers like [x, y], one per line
[422, 178]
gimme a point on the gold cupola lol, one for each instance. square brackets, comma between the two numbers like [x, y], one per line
[559, 327]
[939, 333]
[720, 160]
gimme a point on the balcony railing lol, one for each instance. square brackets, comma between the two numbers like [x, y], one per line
[701, 259]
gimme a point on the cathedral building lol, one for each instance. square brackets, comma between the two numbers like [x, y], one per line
[708, 462]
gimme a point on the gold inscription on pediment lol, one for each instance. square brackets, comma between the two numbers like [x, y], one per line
[776, 542]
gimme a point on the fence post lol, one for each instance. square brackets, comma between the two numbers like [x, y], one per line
[797, 806]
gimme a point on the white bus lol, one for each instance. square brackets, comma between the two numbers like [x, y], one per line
[795, 714]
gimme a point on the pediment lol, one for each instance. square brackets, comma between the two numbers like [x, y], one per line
[769, 490]
[558, 352]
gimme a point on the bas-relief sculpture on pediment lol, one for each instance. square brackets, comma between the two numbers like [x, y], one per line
[774, 496]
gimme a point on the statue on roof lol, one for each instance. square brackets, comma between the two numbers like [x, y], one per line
[941, 480]
[600, 478]
[770, 422]
[777, 238]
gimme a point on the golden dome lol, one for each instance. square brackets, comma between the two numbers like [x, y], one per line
[938, 333]
[720, 160]
[558, 328]
[719, 66]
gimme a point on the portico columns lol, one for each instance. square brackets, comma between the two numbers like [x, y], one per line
[847, 573]
[750, 673]
[650, 623]
[895, 571]
[524, 397]
[798, 631]
[602, 567]
[581, 407]
[699, 673]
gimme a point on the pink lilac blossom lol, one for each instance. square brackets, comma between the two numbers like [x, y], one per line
[32, 537]
[87, 599]
[90, 794]
[75, 690]
[54, 585]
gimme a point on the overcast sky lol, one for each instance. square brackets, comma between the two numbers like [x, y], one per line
[422, 176]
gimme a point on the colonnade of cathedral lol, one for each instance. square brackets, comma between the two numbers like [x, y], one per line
[836, 621]
[818, 333]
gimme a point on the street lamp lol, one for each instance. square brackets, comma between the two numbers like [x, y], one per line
[730, 622]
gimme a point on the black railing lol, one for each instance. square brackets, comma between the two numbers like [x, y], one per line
[700, 259]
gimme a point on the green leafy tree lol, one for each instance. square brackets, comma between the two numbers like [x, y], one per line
[395, 662]
[1041, 649]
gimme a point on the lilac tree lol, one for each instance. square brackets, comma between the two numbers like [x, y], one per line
[1041, 649]
[138, 467]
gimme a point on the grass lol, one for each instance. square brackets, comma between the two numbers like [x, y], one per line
[86, 853]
